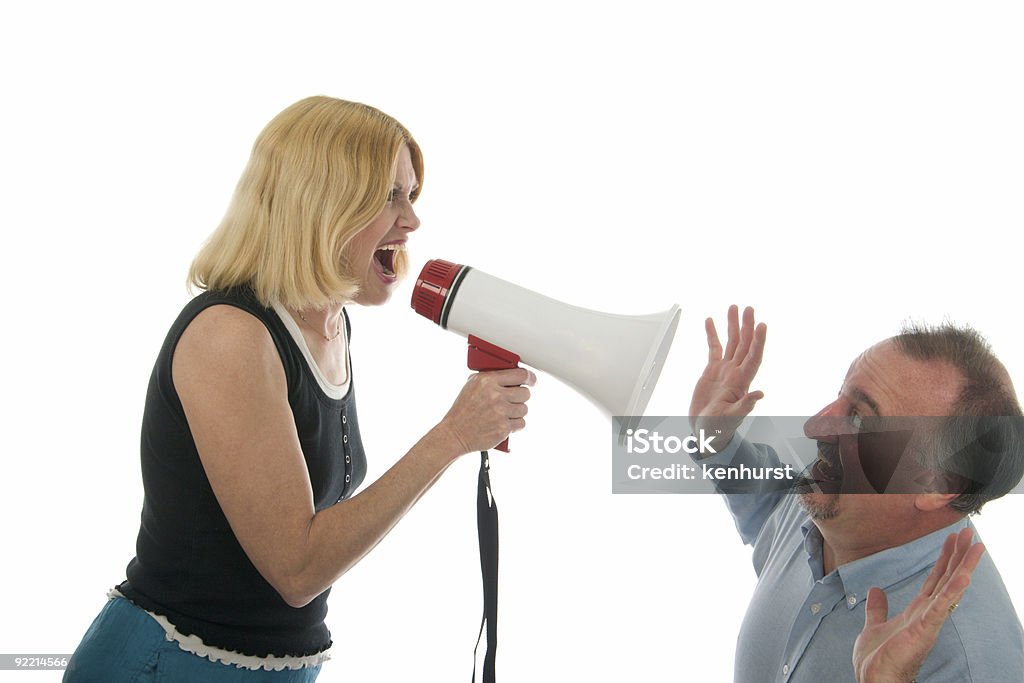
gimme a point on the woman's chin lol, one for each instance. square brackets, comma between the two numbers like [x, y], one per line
[374, 295]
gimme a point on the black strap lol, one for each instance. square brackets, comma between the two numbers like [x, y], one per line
[487, 530]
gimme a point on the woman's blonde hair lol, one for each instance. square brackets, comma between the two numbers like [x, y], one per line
[319, 173]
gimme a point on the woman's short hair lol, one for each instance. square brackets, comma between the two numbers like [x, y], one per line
[319, 173]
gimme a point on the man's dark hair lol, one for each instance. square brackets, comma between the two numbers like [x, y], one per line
[983, 437]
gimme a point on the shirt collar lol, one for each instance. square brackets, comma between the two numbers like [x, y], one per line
[883, 569]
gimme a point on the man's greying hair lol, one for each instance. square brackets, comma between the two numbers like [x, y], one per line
[983, 437]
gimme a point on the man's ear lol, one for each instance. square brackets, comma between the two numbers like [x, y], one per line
[939, 490]
[930, 502]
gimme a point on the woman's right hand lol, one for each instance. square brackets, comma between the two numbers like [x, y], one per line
[490, 406]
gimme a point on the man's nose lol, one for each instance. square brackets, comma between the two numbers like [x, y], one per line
[828, 424]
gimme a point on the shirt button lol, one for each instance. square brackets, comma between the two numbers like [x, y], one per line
[344, 420]
[344, 438]
[785, 669]
[815, 608]
[851, 600]
[348, 478]
[348, 458]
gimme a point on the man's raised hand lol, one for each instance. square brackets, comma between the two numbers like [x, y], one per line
[722, 397]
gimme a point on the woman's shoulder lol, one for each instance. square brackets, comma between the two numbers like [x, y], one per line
[227, 334]
[223, 324]
[242, 297]
[225, 338]
[231, 315]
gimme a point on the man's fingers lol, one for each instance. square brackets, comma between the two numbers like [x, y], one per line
[760, 337]
[961, 544]
[968, 563]
[714, 345]
[746, 334]
[931, 584]
[744, 406]
[945, 602]
[973, 558]
[961, 548]
[876, 610]
[734, 332]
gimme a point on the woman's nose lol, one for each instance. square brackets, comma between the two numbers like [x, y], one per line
[408, 219]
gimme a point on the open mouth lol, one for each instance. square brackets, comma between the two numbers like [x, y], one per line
[828, 466]
[385, 256]
[825, 474]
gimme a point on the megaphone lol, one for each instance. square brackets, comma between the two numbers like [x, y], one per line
[614, 360]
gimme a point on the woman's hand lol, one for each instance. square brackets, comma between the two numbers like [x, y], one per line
[891, 651]
[722, 397]
[490, 406]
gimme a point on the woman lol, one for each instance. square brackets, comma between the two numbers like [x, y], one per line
[250, 439]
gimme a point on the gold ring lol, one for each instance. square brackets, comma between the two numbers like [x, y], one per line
[952, 608]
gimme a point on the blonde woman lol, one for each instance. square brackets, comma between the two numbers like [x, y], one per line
[251, 453]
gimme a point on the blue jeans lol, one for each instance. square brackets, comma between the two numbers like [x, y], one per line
[126, 645]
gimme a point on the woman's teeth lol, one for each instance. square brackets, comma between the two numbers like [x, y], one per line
[385, 256]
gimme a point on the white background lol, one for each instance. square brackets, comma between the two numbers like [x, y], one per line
[840, 166]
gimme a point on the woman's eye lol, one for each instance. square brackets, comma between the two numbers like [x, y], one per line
[397, 195]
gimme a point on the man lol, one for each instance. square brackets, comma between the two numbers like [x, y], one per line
[818, 553]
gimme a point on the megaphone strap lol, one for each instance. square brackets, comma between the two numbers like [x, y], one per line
[487, 531]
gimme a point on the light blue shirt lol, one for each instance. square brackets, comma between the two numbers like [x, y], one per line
[801, 625]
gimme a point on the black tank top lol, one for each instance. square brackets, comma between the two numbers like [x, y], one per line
[189, 567]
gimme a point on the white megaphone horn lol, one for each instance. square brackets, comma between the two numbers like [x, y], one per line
[614, 360]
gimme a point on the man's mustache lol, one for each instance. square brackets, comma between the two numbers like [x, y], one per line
[807, 482]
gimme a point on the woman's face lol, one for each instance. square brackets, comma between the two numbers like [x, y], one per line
[374, 248]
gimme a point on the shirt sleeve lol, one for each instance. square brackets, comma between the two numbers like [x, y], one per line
[983, 640]
[749, 502]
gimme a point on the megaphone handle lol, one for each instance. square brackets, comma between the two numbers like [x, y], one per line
[483, 356]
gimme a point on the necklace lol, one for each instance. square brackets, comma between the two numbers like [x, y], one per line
[326, 338]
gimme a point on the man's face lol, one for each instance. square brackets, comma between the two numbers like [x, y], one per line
[881, 383]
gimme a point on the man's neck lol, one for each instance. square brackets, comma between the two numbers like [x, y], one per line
[835, 554]
[838, 548]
